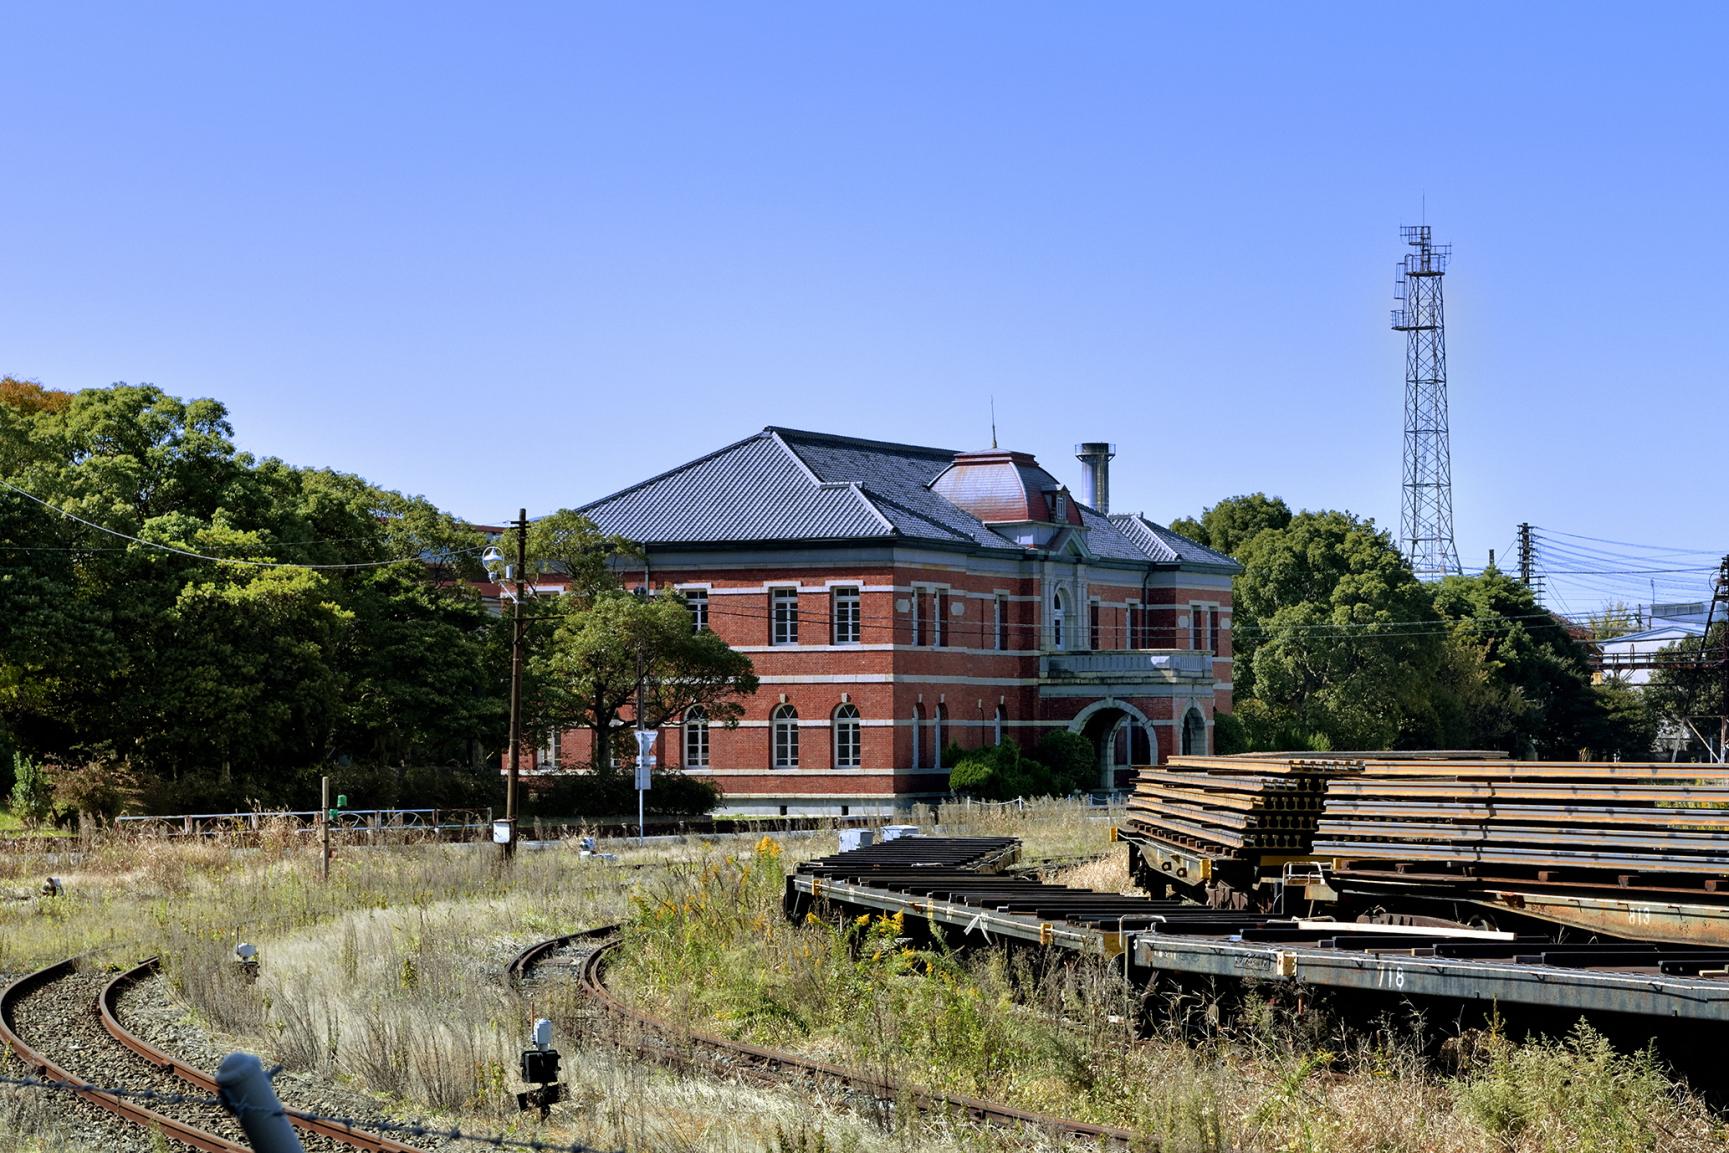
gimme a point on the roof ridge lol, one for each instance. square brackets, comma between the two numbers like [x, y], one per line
[676, 469]
[804, 466]
[861, 442]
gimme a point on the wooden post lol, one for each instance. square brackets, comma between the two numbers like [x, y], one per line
[324, 832]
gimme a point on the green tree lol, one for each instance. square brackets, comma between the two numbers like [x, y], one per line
[1521, 680]
[129, 648]
[32, 796]
[1336, 642]
[1685, 698]
[584, 670]
[1230, 525]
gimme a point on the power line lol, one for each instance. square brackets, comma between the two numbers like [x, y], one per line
[189, 553]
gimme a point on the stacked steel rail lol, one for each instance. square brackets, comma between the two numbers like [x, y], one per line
[1200, 816]
[1649, 979]
[1632, 849]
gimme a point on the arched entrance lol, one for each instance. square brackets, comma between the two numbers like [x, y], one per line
[1120, 734]
[1194, 733]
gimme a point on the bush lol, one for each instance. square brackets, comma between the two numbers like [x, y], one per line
[1229, 735]
[1071, 759]
[613, 794]
[999, 773]
[32, 794]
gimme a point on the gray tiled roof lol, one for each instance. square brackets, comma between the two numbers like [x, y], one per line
[1161, 544]
[788, 485]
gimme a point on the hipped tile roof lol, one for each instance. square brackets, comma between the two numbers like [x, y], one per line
[786, 485]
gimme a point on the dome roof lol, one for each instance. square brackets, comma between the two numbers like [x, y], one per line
[1001, 487]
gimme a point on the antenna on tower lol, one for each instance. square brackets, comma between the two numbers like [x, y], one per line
[1426, 521]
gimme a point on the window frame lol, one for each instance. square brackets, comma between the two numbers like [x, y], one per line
[696, 738]
[1002, 618]
[696, 600]
[783, 746]
[783, 615]
[846, 608]
[848, 741]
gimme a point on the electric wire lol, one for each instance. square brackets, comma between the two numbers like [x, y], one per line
[194, 555]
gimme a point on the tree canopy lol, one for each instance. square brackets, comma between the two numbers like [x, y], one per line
[155, 610]
[1338, 645]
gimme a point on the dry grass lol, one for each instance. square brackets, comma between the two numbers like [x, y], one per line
[387, 979]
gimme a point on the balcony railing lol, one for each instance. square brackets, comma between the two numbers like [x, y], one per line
[1128, 664]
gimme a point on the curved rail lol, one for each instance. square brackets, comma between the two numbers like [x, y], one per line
[109, 1002]
[785, 1065]
[130, 1110]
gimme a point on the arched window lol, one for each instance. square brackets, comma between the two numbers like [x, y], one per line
[696, 738]
[846, 737]
[918, 734]
[937, 718]
[1194, 733]
[997, 727]
[1058, 612]
[786, 737]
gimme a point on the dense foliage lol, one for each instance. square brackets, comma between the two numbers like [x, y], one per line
[122, 646]
[1339, 646]
[1061, 763]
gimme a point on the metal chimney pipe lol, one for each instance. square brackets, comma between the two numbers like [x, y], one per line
[1096, 455]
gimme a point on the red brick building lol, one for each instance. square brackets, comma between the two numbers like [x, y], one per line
[897, 599]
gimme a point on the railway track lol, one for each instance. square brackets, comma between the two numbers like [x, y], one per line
[63, 1024]
[671, 1043]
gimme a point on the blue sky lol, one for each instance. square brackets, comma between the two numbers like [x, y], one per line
[525, 255]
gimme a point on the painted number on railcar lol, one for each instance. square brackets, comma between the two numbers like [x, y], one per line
[1388, 976]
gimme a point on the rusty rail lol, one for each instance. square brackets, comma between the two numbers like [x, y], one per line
[109, 1002]
[779, 1065]
[120, 1106]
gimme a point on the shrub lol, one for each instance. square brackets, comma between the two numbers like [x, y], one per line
[1229, 735]
[999, 773]
[32, 796]
[1071, 759]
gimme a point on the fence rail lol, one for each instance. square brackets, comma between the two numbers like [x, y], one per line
[351, 822]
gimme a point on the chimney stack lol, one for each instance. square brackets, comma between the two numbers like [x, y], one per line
[1096, 455]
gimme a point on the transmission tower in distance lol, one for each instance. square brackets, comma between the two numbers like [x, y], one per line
[1426, 521]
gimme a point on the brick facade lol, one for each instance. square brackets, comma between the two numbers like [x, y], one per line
[956, 640]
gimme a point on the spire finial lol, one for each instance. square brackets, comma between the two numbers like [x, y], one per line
[993, 422]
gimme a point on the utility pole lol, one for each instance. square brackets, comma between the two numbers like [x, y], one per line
[508, 846]
[324, 831]
[1525, 555]
[1721, 596]
[642, 745]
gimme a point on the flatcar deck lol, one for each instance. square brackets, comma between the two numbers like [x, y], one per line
[1673, 981]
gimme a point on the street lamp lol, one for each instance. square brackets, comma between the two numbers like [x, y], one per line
[493, 559]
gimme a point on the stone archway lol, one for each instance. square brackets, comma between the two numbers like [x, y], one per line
[1194, 737]
[1102, 722]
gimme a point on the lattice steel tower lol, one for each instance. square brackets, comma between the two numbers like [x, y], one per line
[1426, 525]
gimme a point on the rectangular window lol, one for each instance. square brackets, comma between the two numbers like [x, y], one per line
[845, 602]
[785, 617]
[546, 756]
[1213, 634]
[939, 617]
[1197, 627]
[697, 601]
[1002, 619]
[695, 742]
[918, 608]
[1094, 637]
[1132, 624]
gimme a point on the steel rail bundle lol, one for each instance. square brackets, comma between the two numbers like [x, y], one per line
[108, 1004]
[1649, 979]
[775, 1065]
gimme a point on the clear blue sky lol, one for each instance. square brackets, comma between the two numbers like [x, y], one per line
[525, 255]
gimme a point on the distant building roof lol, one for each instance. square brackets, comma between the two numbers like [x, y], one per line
[1677, 631]
[787, 485]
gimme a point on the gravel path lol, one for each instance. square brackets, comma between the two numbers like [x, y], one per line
[150, 1010]
[62, 1023]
